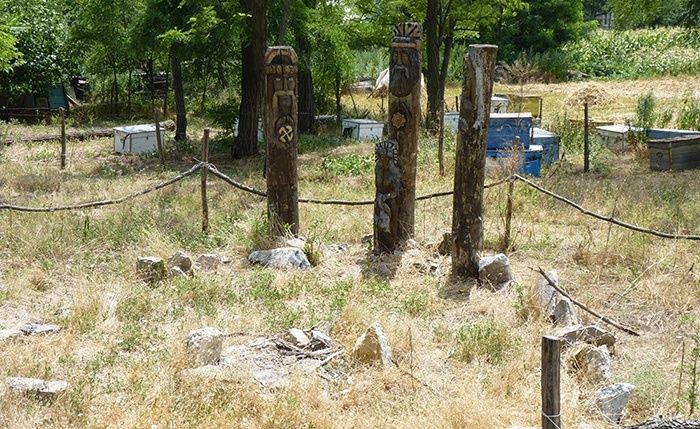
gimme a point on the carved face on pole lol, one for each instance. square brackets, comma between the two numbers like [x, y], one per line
[405, 70]
[282, 85]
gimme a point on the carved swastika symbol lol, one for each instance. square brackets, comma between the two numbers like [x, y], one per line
[286, 133]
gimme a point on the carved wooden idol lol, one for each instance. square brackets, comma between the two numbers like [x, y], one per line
[280, 115]
[395, 175]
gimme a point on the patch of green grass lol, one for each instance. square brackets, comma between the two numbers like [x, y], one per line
[347, 165]
[135, 307]
[485, 340]
[200, 294]
[416, 303]
[338, 293]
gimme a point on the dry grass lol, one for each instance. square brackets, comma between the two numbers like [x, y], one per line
[122, 343]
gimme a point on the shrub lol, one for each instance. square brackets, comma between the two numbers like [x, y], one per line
[486, 339]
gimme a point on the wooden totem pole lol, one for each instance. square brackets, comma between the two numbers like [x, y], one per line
[470, 167]
[395, 170]
[280, 115]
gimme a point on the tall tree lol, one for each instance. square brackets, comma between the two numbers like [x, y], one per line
[304, 11]
[252, 78]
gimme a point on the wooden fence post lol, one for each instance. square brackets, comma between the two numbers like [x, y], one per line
[280, 115]
[586, 146]
[470, 166]
[159, 142]
[551, 353]
[395, 171]
[62, 113]
[204, 171]
[509, 215]
[441, 140]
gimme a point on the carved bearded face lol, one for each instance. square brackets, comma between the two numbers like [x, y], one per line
[405, 71]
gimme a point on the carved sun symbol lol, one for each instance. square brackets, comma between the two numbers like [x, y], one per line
[398, 120]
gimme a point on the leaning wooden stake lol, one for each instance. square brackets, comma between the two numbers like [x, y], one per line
[509, 215]
[159, 142]
[63, 137]
[395, 170]
[280, 114]
[551, 353]
[205, 169]
[470, 167]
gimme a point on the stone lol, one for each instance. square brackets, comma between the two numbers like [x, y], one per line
[204, 346]
[39, 329]
[588, 334]
[495, 271]
[384, 270]
[549, 297]
[299, 243]
[611, 400]
[182, 261]
[373, 346]
[150, 269]
[272, 378]
[445, 246]
[338, 248]
[10, 334]
[211, 261]
[319, 340]
[297, 337]
[564, 313]
[41, 388]
[177, 272]
[284, 257]
[593, 362]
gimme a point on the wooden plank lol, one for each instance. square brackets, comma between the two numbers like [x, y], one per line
[550, 375]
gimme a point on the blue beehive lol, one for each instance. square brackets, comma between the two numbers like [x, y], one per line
[550, 145]
[504, 127]
[530, 159]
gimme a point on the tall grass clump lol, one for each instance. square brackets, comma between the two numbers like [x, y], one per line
[633, 54]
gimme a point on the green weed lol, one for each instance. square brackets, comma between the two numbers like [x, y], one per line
[486, 340]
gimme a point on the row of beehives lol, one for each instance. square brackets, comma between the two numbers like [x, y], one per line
[669, 149]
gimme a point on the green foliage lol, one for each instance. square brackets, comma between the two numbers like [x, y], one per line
[689, 114]
[646, 111]
[9, 55]
[487, 340]
[347, 165]
[637, 53]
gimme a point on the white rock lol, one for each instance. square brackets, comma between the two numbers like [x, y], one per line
[41, 388]
[373, 347]
[211, 261]
[549, 297]
[297, 337]
[594, 362]
[10, 334]
[612, 400]
[384, 270]
[182, 261]
[204, 346]
[495, 271]
[299, 243]
[588, 334]
[39, 329]
[284, 257]
[177, 272]
[272, 378]
[150, 269]
[564, 313]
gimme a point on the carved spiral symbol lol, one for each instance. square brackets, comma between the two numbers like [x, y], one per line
[286, 133]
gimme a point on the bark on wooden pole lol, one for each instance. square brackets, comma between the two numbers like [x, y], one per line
[62, 112]
[395, 170]
[205, 169]
[159, 142]
[470, 162]
[551, 353]
[586, 147]
[441, 141]
[280, 115]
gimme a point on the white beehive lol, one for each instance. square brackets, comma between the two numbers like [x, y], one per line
[613, 136]
[363, 129]
[136, 139]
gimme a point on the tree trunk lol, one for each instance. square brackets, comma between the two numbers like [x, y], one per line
[470, 167]
[251, 78]
[128, 94]
[307, 107]
[180, 110]
[284, 20]
[432, 45]
[221, 74]
[167, 86]
[338, 106]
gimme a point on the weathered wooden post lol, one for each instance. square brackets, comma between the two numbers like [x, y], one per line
[62, 113]
[395, 171]
[551, 354]
[509, 215]
[470, 167]
[441, 141]
[586, 145]
[159, 142]
[280, 114]
[204, 171]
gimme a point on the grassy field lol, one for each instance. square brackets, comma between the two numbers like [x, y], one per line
[122, 343]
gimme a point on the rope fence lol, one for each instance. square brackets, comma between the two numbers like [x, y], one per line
[211, 168]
